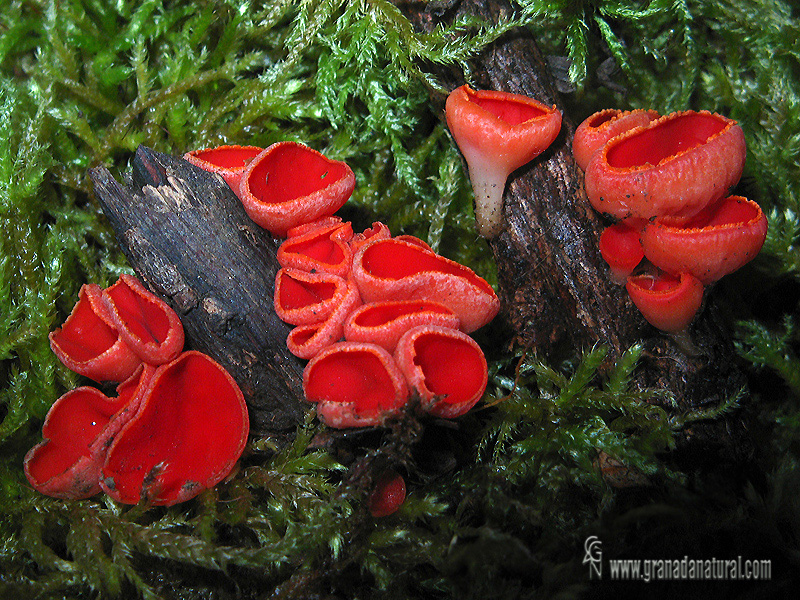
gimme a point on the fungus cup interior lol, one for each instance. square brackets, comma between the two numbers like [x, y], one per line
[392, 259]
[227, 157]
[323, 245]
[728, 211]
[143, 316]
[453, 369]
[84, 335]
[291, 172]
[295, 294]
[381, 313]
[510, 110]
[356, 376]
[188, 434]
[666, 138]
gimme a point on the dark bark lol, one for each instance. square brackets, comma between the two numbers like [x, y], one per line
[189, 240]
[555, 288]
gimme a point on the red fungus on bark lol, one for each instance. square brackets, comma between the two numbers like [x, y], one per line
[144, 321]
[227, 161]
[89, 343]
[718, 241]
[303, 298]
[621, 249]
[597, 129]
[395, 269]
[322, 248]
[289, 184]
[384, 322]
[445, 367]
[388, 495]
[667, 302]
[354, 385]
[77, 431]
[676, 165]
[497, 132]
[189, 432]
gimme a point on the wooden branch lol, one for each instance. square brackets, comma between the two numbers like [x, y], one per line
[555, 288]
[189, 240]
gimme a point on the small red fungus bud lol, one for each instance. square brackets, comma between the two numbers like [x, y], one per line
[89, 343]
[676, 165]
[497, 132]
[354, 385]
[384, 322]
[597, 129]
[306, 341]
[669, 303]
[289, 184]
[144, 321]
[324, 248]
[388, 495]
[446, 367]
[720, 240]
[227, 161]
[190, 430]
[399, 270]
[621, 249]
[77, 432]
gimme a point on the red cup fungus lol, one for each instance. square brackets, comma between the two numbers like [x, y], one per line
[497, 132]
[354, 384]
[394, 269]
[445, 367]
[77, 432]
[667, 302]
[384, 322]
[190, 430]
[378, 231]
[303, 298]
[597, 129]
[388, 495]
[290, 184]
[324, 248]
[227, 161]
[714, 243]
[89, 343]
[675, 165]
[144, 321]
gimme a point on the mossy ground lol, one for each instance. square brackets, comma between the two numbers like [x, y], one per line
[499, 506]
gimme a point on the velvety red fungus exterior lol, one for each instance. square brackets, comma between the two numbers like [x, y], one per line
[324, 248]
[621, 249]
[597, 129]
[144, 321]
[289, 184]
[445, 367]
[718, 241]
[77, 432]
[667, 302]
[384, 322]
[395, 269]
[190, 430]
[497, 132]
[676, 165]
[227, 161]
[388, 495]
[354, 385]
[89, 344]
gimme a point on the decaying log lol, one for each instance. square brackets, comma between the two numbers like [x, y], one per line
[555, 288]
[189, 240]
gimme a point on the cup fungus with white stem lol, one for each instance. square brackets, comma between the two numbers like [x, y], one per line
[497, 132]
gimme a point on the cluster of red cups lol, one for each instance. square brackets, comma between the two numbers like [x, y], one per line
[176, 426]
[379, 318]
[665, 182]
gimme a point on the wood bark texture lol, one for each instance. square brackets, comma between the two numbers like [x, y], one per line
[189, 240]
[555, 288]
